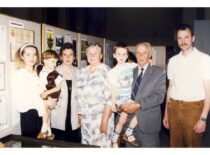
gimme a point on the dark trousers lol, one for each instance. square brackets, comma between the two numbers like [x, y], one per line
[146, 140]
[30, 123]
[206, 136]
[182, 118]
[68, 135]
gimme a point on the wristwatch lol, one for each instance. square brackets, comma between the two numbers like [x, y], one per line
[203, 119]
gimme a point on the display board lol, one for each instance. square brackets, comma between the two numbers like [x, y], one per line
[54, 37]
[202, 35]
[83, 41]
[158, 55]
[13, 33]
[108, 52]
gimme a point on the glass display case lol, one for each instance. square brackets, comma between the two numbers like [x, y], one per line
[17, 141]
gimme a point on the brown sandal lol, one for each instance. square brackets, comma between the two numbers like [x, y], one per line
[2, 145]
[131, 139]
[42, 135]
[50, 137]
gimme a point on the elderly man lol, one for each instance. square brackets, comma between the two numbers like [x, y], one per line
[149, 88]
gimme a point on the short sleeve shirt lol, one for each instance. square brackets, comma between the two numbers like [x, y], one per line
[188, 74]
[121, 76]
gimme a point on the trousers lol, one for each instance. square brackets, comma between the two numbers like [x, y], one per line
[182, 117]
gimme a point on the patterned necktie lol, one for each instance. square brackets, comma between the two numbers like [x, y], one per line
[136, 86]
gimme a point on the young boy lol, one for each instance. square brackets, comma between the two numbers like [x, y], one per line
[50, 83]
[121, 78]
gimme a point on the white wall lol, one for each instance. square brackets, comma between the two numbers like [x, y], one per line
[158, 55]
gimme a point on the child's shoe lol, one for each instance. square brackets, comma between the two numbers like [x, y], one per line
[114, 144]
[130, 139]
[42, 135]
[50, 137]
[2, 145]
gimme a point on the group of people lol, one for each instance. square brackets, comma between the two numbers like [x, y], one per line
[79, 105]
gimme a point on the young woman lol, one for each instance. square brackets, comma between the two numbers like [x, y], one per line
[26, 91]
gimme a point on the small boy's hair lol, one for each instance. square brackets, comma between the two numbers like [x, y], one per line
[50, 54]
[131, 57]
[121, 45]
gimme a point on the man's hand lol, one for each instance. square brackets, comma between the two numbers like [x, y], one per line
[165, 121]
[200, 126]
[129, 108]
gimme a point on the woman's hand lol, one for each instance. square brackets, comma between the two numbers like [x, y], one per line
[44, 95]
[105, 119]
[79, 120]
[113, 108]
[103, 127]
[53, 102]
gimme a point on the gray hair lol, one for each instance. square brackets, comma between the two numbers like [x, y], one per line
[147, 45]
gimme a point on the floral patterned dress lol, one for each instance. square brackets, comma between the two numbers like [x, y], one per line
[94, 95]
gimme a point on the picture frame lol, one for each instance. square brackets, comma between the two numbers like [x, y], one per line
[18, 37]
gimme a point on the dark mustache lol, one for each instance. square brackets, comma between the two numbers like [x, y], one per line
[183, 44]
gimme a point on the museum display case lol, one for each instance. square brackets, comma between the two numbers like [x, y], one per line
[17, 141]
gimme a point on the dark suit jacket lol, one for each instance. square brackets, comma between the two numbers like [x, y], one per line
[150, 95]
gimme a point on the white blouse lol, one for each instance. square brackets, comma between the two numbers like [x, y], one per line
[26, 91]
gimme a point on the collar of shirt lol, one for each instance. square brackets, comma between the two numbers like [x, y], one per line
[145, 67]
[192, 54]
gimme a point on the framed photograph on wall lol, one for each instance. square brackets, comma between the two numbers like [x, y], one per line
[83, 61]
[17, 38]
[59, 41]
[2, 76]
[49, 40]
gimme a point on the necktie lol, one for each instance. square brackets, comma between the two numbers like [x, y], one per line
[136, 86]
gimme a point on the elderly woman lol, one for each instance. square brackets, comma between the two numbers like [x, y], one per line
[94, 100]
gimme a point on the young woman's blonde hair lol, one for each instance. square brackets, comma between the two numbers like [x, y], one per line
[20, 52]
